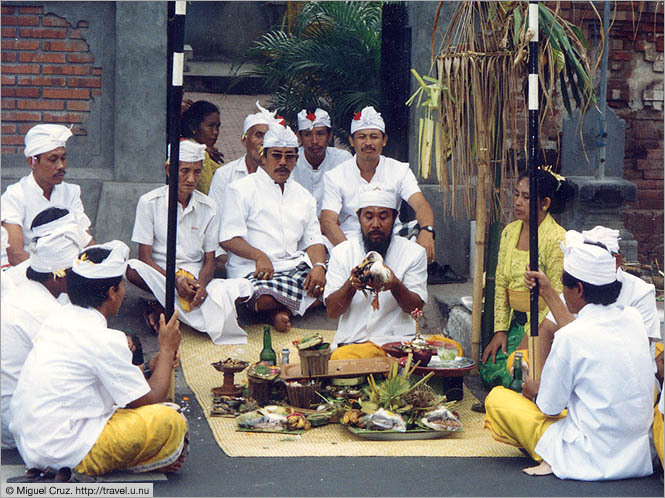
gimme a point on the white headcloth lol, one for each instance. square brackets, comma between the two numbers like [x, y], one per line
[56, 250]
[69, 221]
[366, 119]
[190, 151]
[377, 195]
[586, 262]
[307, 121]
[609, 237]
[44, 138]
[264, 116]
[114, 265]
[279, 136]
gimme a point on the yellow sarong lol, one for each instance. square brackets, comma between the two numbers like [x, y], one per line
[137, 440]
[658, 425]
[514, 420]
[356, 351]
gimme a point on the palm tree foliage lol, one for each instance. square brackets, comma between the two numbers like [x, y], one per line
[330, 58]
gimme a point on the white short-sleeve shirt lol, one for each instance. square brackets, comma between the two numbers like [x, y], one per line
[281, 224]
[342, 188]
[77, 374]
[312, 179]
[24, 200]
[600, 369]
[225, 176]
[197, 228]
[360, 322]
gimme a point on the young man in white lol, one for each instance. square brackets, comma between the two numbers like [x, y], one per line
[599, 368]
[26, 308]
[369, 167]
[84, 408]
[405, 291]
[44, 187]
[271, 233]
[205, 303]
[315, 157]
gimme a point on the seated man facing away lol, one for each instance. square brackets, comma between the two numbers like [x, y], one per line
[405, 290]
[270, 230]
[26, 308]
[599, 368]
[83, 406]
[205, 303]
[315, 158]
[44, 187]
[368, 167]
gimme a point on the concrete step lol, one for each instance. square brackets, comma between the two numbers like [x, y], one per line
[221, 77]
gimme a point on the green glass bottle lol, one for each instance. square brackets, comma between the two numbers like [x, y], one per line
[516, 383]
[268, 353]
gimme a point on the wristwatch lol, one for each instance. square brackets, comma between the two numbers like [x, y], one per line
[430, 229]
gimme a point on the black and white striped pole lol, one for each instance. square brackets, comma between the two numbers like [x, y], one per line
[176, 28]
[533, 187]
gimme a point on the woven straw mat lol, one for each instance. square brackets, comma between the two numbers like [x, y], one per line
[197, 353]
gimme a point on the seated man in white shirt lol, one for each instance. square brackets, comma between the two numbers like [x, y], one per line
[270, 230]
[315, 158]
[84, 407]
[369, 167]
[599, 368]
[405, 291]
[205, 303]
[44, 187]
[26, 308]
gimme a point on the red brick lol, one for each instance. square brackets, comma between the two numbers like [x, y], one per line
[41, 57]
[66, 69]
[8, 10]
[8, 32]
[24, 128]
[52, 20]
[77, 105]
[9, 150]
[8, 129]
[21, 116]
[30, 10]
[21, 69]
[62, 93]
[27, 44]
[20, 20]
[65, 46]
[8, 80]
[8, 56]
[97, 93]
[85, 82]
[82, 24]
[41, 104]
[27, 92]
[653, 174]
[8, 104]
[70, 117]
[41, 81]
[655, 154]
[8, 45]
[649, 164]
[97, 71]
[43, 33]
[9, 91]
[75, 34]
[12, 140]
[80, 58]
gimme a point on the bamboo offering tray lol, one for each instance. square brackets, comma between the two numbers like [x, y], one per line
[341, 368]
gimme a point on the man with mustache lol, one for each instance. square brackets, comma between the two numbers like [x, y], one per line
[205, 303]
[369, 167]
[315, 158]
[270, 230]
[44, 187]
[404, 291]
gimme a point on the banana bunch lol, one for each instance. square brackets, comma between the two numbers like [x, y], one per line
[297, 422]
[352, 417]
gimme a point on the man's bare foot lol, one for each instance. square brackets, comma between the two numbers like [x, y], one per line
[543, 469]
[175, 466]
[281, 320]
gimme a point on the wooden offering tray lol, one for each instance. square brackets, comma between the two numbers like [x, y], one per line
[229, 368]
[341, 368]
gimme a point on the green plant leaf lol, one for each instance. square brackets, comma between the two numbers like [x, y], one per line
[517, 25]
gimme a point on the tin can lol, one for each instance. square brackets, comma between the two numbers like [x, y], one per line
[285, 356]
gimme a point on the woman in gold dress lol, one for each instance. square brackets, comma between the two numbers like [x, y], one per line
[200, 122]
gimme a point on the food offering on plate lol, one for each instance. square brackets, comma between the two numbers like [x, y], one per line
[263, 371]
[314, 341]
[270, 418]
[374, 274]
[441, 419]
[297, 422]
[230, 364]
[421, 351]
[231, 406]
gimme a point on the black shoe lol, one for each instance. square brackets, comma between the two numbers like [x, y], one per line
[437, 274]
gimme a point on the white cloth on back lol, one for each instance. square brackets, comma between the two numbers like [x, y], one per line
[342, 188]
[24, 200]
[44, 138]
[197, 235]
[3, 246]
[361, 322]
[599, 369]
[312, 179]
[281, 224]
[76, 376]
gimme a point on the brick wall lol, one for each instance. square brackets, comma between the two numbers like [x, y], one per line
[48, 73]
